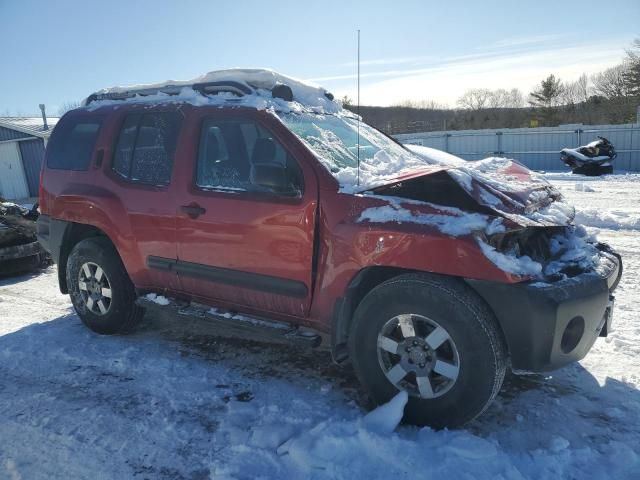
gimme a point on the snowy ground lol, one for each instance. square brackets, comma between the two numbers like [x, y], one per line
[171, 403]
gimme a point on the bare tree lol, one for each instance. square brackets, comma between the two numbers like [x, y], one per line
[422, 104]
[611, 83]
[632, 75]
[515, 99]
[502, 98]
[576, 92]
[497, 98]
[66, 106]
[346, 101]
[475, 99]
[583, 88]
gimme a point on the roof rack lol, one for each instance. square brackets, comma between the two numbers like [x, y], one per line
[206, 88]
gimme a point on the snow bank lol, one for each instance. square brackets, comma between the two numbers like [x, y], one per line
[613, 219]
[157, 404]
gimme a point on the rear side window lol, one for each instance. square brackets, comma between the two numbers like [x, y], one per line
[146, 147]
[72, 143]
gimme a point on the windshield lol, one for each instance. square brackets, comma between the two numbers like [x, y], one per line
[334, 140]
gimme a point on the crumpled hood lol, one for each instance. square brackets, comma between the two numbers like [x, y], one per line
[501, 185]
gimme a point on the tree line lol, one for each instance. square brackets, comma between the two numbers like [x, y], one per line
[609, 96]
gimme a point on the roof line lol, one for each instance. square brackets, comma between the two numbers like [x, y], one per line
[13, 126]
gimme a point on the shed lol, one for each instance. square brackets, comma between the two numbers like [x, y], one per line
[22, 144]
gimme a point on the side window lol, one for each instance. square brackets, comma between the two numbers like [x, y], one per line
[72, 143]
[126, 141]
[146, 147]
[241, 155]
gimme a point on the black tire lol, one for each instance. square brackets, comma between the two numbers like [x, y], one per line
[123, 313]
[470, 324]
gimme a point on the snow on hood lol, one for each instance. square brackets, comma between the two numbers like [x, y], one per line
[448, 220]
[306, 96]
[505, 186]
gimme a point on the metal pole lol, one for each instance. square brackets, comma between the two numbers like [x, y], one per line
[358, 109]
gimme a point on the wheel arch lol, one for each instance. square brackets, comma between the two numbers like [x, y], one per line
[361, 284]
[73, 234]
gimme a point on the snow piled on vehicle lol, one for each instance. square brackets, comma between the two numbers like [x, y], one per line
[510, 263]
[513, 193]
[306, 97]
[448, 220]
[499, 183]
[357, 155]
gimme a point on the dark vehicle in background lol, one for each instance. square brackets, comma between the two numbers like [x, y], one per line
[239, 192]
[593, 159]
[19, 247]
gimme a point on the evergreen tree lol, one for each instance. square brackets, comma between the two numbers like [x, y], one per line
[548, 94]
[632, 73]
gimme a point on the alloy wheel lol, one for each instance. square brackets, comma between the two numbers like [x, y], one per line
[418, 355]
[95, 288]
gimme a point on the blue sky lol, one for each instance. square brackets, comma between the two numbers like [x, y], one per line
[59, 51]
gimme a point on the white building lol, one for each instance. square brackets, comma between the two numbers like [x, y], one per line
[22, 143]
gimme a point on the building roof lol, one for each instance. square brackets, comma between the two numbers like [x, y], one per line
[31, 125]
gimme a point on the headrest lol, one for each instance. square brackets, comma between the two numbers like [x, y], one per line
[264, 151]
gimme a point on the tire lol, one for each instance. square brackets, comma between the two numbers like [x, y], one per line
[119, 312]
[475, 345]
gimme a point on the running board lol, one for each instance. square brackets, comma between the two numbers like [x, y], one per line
[234, 325]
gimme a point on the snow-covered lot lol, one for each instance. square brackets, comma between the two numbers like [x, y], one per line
[170, 402]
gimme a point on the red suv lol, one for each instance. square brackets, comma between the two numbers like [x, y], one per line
[254, 200]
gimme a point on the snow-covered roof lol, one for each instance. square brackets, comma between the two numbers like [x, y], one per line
[251, 87]
[31, 125]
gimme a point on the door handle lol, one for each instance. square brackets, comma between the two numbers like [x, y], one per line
[193, 210]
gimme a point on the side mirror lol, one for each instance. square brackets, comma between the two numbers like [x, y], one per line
[271, 176]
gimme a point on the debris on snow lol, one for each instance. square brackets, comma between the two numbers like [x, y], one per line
[159, 299]
[582, 187]
[387, 417]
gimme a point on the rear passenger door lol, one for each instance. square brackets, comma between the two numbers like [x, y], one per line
[246, 220]
[141, 171]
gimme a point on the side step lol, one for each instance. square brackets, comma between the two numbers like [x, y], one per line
[232, 325]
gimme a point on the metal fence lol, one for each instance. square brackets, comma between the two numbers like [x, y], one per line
[538, 148]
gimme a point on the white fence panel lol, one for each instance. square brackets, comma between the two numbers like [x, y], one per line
[538, 148]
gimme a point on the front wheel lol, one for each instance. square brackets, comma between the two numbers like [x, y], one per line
[100, 289]
[432, 337]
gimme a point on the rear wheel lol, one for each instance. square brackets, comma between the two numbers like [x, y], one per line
[432, 337]
[100, 289]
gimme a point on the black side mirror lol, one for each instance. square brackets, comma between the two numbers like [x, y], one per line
[272, 177]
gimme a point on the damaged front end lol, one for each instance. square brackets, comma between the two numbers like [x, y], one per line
[19, 247]
[531, 234]
[561, 298]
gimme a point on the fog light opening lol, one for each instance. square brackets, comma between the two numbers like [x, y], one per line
[572, 334]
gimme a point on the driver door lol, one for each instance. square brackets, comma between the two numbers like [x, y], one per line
[242, 244]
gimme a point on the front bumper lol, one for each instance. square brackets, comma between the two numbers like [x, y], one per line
[548, 325]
